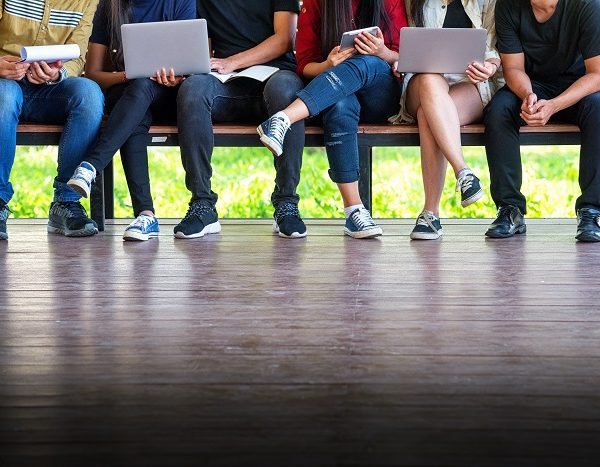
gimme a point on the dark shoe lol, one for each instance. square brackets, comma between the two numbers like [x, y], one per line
[4, 212]
[588, 226]
[288, 223]
[469, 186]
[201, 219]
[509, 221]
[272, 132]
[428, 227]
[360, 224]
[69, 218]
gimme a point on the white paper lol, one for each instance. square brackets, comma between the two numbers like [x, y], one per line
[258, 72]
[50, 53]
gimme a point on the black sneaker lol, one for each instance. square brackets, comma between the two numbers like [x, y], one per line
[509, 221]
[588, 225]
[288, 223]
[4, 212]
[69, 218]
[469, 186]
[428, 227]
[201, 219]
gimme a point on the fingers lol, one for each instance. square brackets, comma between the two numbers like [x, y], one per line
[476, 73]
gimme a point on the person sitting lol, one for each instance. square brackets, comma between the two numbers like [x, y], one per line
[50, 93]
[550, 51]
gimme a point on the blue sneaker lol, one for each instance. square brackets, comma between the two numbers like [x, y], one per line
[428, 227]
[142, 228]
[360, 224]
[82, 179]
[272, 132]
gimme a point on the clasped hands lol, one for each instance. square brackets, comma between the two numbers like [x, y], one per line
[537, 112]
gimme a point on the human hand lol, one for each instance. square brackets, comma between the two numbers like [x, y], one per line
[368, 44]
[542, 112]
[168, 80]
[42, 72]
[528, 105]
[480, 72]
[223, 66]
[397, 74]
[336, 56]
[11, 69]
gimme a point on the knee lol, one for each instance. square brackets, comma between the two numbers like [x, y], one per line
[348, 108]
[283, 86]
[369, 62]
[196, 90]
[85, 97]
[504, 107]
[11, 98]
[430, 83]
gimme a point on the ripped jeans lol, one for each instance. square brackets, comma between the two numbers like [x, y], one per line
[361, 89]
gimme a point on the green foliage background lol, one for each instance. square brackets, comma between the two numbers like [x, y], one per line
[244, 180]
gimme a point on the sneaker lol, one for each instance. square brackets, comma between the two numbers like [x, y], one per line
[69, 218]
[272, 132]
[509, 221]
[360, 224]
[201, 219]
[469, 186]
[82, 179]
[4, 212]
[142, 228]
[428, 227]
[588, 225]
[288, 223]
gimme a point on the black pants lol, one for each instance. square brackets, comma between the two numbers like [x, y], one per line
[502, 122]
[203, 99]
[131, 107]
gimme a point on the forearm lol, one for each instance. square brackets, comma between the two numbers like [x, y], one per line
[314, 69]
[584, 86]
[268, 50]
[106, 79]
[518, 82]
[389, 56]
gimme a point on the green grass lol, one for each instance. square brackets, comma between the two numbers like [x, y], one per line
[244, 180]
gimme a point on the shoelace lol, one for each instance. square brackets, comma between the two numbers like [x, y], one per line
[286, 209]
[278, 128]
[84, 174]
[73, 209]
[464, 182]
[362, 219]
[196, 209]
[142, 221]
[426, 219]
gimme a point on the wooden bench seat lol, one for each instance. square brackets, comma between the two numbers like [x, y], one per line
[369, 136]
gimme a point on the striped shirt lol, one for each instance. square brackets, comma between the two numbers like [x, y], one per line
[46, 22]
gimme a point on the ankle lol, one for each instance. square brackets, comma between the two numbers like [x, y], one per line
[350, 209]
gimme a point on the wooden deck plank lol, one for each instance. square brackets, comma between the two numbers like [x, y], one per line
[247, 349]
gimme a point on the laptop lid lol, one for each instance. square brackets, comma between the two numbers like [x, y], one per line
[181, 45]
[440, 50]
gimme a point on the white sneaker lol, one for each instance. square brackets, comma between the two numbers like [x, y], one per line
[82, 179]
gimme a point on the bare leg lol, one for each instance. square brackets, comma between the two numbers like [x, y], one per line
[296, 111]
[350, 194]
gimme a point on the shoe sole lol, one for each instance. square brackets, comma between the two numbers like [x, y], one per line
[80, 187]
[293, 235]
[587, 238]
[426, 236]
[213, 228]
[87, 231]
[372, 233]
[518, 231]
[3, 236]
[268, 142]
[138, 236]
[473, 199]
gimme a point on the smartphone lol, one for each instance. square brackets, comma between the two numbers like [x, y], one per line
[348, 37]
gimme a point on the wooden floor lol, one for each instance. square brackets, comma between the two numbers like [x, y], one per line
[247, 349]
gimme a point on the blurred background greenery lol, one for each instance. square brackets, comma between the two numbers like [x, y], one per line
[243, 177]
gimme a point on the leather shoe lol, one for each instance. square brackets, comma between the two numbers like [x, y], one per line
[509, 221]
[588, 229]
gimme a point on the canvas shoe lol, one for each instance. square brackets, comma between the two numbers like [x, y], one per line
[142, 228]
[272, 132]
[428, 227]
[360, 224]
[469, 186]
[82, 179]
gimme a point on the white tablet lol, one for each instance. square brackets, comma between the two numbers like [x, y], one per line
[348, 37]
[440, 50]
[181, 45]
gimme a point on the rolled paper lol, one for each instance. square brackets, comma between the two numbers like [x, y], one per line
[50, 53]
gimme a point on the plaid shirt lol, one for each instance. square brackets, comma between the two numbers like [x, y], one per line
[47, 22]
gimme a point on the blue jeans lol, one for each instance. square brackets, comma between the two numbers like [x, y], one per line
[361, 89]
[76, 103]
[203, 99]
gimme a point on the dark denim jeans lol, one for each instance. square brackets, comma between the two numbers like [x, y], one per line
[203, 99]
[76, 103]
[361, 89]
[502, 122]
[131, 107]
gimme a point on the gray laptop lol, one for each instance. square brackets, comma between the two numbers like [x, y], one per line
[181, 45]
[440, 50]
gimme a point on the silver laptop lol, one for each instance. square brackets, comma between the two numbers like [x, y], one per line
[440, 50]
[181, 45]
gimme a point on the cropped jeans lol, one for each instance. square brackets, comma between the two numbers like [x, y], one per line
[76, 103]
[203, 99]
[360, 89]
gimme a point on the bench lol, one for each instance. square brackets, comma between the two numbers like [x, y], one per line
[369, 136]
